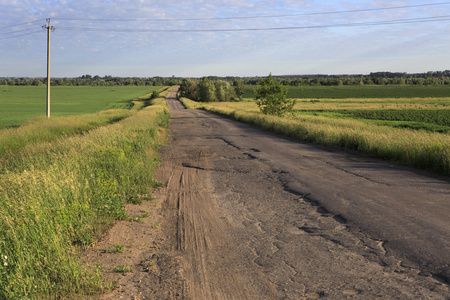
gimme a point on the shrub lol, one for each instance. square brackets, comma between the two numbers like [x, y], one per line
[271, 97]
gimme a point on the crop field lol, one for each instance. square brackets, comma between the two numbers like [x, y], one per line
[411, 131]
[20, 103]
[368, 91]
[432, 114]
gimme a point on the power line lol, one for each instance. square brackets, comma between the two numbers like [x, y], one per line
[374, 23]
[21, 30]
[14, 36]
[256, 17]
[31, 22]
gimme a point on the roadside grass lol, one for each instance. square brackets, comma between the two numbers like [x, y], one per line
[59, 190]
[41, 129]
[21, 103]
[416, 148]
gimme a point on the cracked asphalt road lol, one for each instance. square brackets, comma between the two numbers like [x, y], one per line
[249, 215]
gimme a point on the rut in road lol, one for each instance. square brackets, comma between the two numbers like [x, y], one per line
[199, 232]
[231, 230]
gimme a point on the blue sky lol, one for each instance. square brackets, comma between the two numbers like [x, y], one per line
[185, 38]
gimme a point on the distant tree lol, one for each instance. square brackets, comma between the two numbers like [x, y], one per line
[271, 97]
[206, 91]
[189, 88]
[238, 88]
[223, 90]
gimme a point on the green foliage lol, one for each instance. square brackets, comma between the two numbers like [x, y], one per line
[425, 119]
[118, 248]
[189, 88]
[206, 90]
[238, 88]
[271, 97]
[438, 117]
[88, 80]
[155, 95]
[122, 269]
[223, 91]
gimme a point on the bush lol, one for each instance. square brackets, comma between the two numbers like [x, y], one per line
[271, 97]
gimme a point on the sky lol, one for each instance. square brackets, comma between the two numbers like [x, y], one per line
[195, 38]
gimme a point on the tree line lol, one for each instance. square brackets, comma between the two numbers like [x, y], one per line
[438, 78]
[379, 78]
[88, 80]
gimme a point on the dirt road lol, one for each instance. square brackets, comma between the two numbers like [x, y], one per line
[248, 215]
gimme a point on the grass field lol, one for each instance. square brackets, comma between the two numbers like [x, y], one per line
[410, 131]
[20, 103]
[369, 91]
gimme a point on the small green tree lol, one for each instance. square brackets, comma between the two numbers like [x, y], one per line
[224, 91]
[238, 88]
[271, 97]
[206, 91]
[189, 88]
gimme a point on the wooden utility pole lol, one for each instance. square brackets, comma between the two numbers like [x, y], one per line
[49, 29]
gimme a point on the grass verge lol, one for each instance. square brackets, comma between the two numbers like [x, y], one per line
[58, 194]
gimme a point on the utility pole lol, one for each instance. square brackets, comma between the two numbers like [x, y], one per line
[49, 29]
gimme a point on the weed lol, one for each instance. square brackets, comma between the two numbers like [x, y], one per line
[147, 264]
[156, 225]
[118, 248]
[122, 269]
[140, 217]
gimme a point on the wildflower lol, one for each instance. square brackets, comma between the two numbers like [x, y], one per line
[5, 264]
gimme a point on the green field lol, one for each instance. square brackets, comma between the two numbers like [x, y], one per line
[20, 103]
[431, 114]
[369, 91]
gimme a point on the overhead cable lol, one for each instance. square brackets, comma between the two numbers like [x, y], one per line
[21, 30]
[14, 36]
[254, 17]
[27, 23]
[374, 23]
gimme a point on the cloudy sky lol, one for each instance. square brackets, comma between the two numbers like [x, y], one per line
[194, 38]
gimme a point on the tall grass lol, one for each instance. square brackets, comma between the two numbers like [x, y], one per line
[41, 129]
[59, 194]
[416, 148]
